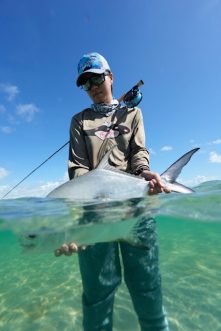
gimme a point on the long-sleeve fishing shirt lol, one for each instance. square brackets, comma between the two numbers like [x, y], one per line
[93, 134]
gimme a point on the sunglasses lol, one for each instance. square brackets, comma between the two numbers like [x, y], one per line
[94, 80]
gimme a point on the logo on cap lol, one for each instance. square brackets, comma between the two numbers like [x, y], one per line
[89, 63]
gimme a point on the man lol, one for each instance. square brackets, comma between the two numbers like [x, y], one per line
[93, 132]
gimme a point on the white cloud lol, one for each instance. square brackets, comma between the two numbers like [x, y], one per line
[3, 173]
[3, 190]
[197, 180]
[27, 111]
[11, 91]
[6, 129]
[216, 142]
[214, 157]
[40, 189]
[166, 148]
[44, 188]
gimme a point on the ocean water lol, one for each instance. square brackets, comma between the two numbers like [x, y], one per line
[39, 291]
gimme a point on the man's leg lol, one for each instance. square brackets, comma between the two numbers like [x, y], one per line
[142, 276]
[101, 275]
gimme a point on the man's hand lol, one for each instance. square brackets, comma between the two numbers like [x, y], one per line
[68, 249]
[155, 184]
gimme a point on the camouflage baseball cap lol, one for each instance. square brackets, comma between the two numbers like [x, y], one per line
[91, 62]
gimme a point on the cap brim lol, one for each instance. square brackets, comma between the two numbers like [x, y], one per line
[95, 71]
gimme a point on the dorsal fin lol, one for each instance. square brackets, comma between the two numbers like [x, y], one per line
[104, 161]
[175, 169]
[104, 164]
[106, 146]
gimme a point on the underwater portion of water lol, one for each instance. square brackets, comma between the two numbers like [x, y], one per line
[41, 292]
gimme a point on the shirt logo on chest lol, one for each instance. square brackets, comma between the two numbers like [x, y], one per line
[108, 130]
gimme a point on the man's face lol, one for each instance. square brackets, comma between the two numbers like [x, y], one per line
[100, 93]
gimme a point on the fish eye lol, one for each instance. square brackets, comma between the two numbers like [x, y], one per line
[31, 236]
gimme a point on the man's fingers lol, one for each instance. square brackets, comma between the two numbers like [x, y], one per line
[65, 248]
[167, 190]
[73, 247]
[152, 183]
[155, 189]
[58, 252]
[68, 249]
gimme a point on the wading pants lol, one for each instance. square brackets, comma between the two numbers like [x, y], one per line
[101, 275]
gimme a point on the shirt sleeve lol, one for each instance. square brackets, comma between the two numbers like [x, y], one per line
[139, 153]
[78, 163]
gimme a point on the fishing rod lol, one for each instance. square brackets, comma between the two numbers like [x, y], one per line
[131, 99]
[30, 173]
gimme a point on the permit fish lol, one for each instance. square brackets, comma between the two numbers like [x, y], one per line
[108, 183]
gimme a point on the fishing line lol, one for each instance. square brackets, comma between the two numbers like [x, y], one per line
[131, 99]
[35, 170]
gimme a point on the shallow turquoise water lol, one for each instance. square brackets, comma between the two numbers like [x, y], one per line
[41, 292]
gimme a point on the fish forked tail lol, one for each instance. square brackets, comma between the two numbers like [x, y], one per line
[170, 175]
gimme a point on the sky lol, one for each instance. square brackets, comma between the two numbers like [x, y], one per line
[173, 46]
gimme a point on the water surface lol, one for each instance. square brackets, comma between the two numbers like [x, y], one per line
[41, 292]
